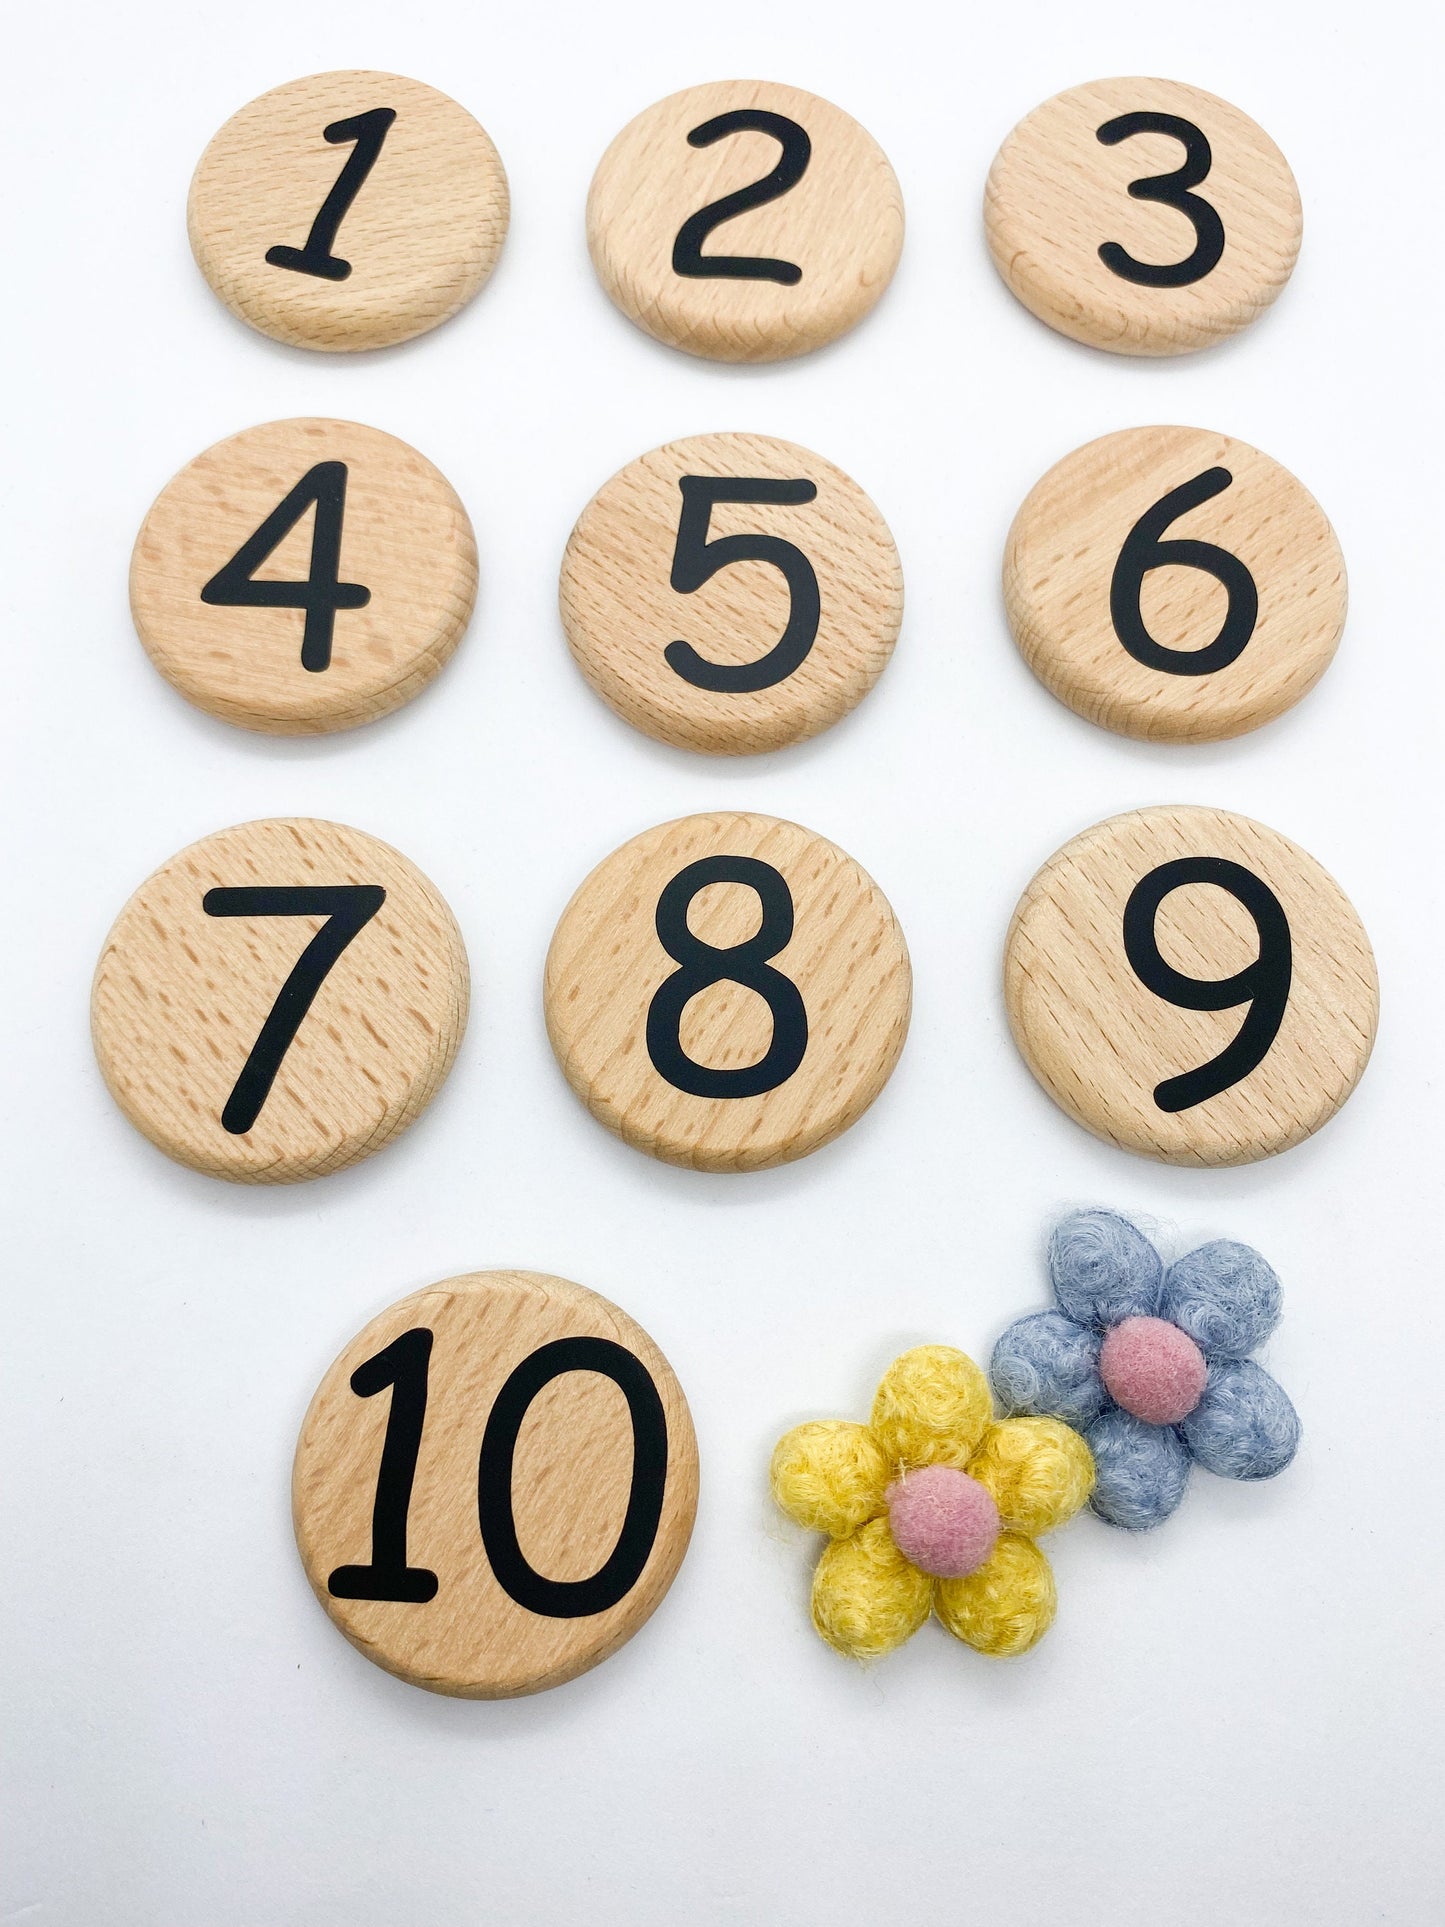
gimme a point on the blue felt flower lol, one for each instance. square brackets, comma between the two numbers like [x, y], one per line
[1152, 1365]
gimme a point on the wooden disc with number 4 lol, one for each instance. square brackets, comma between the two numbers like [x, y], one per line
[304, 576]
[745, 221]
[1143, 216]
[1174, 584]
[731, 593]
[728, 991]
[1191, 985]
[279, 1000]
[348, 210]
[495, 1484]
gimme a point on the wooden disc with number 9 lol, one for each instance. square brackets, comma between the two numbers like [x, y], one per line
[1191, 985]
[1142, 216]
[1174, 584]
[495, 1484]
[304, 576]
[279, 1000]
[348, 210]
[731, 593]
[728, 991]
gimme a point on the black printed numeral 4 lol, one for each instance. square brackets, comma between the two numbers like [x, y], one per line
[368, 131]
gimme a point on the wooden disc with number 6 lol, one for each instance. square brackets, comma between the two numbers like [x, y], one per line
[304, 576]
[728, 991]
[1191, 985]
[731, 593]
[1174, 584]
[495, 1484]
[279, 1000]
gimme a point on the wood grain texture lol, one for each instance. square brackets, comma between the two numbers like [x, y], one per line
[572, 1472]
[1100, 1042]
[180, 997]
[1066, 541]
[620, 612]
[847, 958]
[405, 537]
[1056, 194]
[841, 224]
[422, 235]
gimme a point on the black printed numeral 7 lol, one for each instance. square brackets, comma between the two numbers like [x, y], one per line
[368, 131]
[348, 908]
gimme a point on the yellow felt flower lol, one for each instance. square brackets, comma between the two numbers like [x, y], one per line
[932, 1507]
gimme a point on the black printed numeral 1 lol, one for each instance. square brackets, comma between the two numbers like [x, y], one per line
[348, 908]
[368, 131]
[1143, 551]
[1264, 984]
[687, 255]
[1170, 190]
[321, 594]
[403, 1365]
[703, 964]
[696, 560]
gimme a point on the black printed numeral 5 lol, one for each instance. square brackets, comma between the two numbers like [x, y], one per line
[696, 560]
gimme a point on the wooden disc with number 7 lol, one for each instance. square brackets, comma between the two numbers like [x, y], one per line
[728, 991]
[1191, 985]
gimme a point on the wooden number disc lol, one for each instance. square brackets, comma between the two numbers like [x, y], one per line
[304, 576]
[1191, 985]
[279, 1000]
[728, 991]
[1174, 584]
[731, 593]
[745, 221]
[348, 210]
[1142, 216]
[518, 1500]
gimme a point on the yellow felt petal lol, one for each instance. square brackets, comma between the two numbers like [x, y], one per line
[867, 1598]
[931, 1408]
[1007, 1605]
[829, 1476]
[1039, 1471]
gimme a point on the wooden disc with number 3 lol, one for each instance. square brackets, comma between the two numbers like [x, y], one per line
[279, 1000]
[728, 991]
[495, 1484]
[1191, 985]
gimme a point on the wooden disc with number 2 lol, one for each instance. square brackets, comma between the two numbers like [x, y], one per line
[1191, 985]
[495, 1484]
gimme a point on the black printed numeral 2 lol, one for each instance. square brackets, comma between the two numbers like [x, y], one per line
[696, 560]
[703, 964]
[348, 908]
[403, 1365]
[368, 131]
[687, 255]
[1170, 190]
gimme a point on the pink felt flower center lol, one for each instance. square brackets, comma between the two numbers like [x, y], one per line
[1153, 1370]
[942, 1520]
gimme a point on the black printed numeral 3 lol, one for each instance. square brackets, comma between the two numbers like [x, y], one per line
[1170, 190]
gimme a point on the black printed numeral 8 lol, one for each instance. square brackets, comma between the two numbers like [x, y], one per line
[1169, 190]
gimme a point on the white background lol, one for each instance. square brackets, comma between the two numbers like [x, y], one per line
[1237, 1718]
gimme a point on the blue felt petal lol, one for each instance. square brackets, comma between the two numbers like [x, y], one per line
[1141, 1469]
[1104, 1269]
[1046, 1363]
[1244, 1427]
[1225, 1296]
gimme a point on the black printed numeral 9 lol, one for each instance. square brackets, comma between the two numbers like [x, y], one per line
[403, 1365]
[1143, 551]
[696, 560]
[1169, 190]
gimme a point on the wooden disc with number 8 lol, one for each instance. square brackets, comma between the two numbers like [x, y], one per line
[728, 991]
[1191, 985]
[495, 1484]
[279, 1000]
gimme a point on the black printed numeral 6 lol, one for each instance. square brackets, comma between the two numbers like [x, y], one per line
[1143, 551]
[696, 560]
[1264, 984]
[403, 1365]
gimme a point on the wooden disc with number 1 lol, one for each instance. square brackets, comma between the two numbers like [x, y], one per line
[495, 1484]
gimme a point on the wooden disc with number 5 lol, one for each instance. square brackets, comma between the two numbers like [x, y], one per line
[728, 991]
[1191, 985]
[1174, 584]
[495, 1484]
[279, 1000]
[731, 593]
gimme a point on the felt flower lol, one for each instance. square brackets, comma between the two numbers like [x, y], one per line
[932, 1506]
[1152, 1365]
